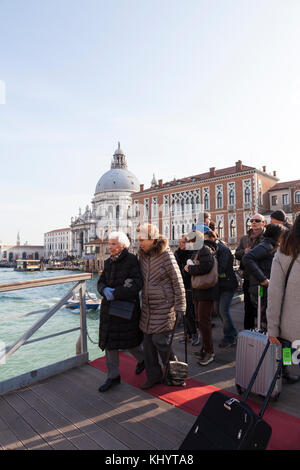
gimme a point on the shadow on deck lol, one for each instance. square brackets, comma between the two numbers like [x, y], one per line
[66, 412]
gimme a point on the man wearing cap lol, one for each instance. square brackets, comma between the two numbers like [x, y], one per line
[279, 218]
[247, 242]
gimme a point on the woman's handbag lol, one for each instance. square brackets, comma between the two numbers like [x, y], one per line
[175, 372]
[121, 309]
[206, 281]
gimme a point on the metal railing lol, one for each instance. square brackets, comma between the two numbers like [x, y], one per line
[81, 356]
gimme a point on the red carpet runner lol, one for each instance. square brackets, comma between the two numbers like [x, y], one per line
[285, 427]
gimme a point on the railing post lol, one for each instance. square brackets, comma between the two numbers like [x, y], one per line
[81, 345]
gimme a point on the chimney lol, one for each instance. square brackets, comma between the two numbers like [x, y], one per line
[212, 172]
[238, 165]
[264, 168]
[141, 188]
[160, 183]
[275, 173]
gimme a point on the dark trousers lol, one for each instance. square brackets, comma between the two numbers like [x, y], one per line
[190, 320]
[155, 346]
[203, 315]
[249, 309]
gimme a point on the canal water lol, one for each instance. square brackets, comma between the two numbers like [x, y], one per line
[42, 353]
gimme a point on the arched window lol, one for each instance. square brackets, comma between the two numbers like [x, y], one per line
[36, 255]
[206, 202]
[219, 200]
[247, 194]
[231, 197]
[173, 232]
[232, 229]
[220, 229]
[248, 224]
[24, 255]
[297, 197]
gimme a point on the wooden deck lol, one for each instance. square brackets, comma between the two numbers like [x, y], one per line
[66, 412]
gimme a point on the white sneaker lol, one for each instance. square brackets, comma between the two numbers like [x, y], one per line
[207, 359]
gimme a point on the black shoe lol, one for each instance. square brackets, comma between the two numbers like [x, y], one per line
[109, 384]
[139, 367]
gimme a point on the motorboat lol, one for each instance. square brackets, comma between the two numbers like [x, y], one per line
[28, 265]
[91, 301]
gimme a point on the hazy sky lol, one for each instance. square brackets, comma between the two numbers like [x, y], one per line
[182, 84]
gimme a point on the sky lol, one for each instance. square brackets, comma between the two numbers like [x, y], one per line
[184, 85]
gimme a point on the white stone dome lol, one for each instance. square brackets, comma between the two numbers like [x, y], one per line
[117, 179]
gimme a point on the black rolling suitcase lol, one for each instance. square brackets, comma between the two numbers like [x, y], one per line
[229, 424]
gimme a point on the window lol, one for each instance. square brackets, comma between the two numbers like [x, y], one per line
[166, 204]
[146, 209]
[232, 229]
[205, 195]
[231, 193]
[274, 200]
[297, 197]
[285, 199]
[247, 191]
[154, 207]
[220, 229]
[219, 196]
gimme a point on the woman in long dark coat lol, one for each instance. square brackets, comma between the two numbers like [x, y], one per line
[120, 280]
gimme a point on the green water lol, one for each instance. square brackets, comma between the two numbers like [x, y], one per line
[42, 353]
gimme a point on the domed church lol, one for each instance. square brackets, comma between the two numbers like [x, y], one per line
[111, 207]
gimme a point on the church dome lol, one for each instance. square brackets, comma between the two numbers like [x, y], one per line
[118, 178]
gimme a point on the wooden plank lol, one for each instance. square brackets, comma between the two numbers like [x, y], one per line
[180, 419]
[148, 411]
[42, 427]
[8, 440]
[24, 432]
[62, 406]
[57, 386]
[57, 420]
[130, 417]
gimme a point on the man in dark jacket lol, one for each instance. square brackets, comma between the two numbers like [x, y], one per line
[258, 263]
[227, 285]
[121, 279]
[247, 242]
[182, 255]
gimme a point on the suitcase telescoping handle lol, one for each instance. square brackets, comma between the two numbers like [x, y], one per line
[271, 388]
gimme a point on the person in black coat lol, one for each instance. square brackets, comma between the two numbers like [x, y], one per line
[258, 263]
[203, 298]
[121, 279]
[182, 254]
[226, 287]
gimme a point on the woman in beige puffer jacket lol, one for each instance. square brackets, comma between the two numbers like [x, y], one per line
[163, 296]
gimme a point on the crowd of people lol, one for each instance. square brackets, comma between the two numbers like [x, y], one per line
[146, 295]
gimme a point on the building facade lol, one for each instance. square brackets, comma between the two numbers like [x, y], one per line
[230, 194]
[57, 244]
[285, 196]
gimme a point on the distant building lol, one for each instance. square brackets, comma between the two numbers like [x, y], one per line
[285, 196]
[231, 195]
[57, 243]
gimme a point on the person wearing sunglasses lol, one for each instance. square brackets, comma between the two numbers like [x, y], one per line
[253, 237]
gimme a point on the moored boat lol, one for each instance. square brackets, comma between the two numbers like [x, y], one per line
[28, 265]
[91, 301]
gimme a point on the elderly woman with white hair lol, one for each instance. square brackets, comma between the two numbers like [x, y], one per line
[121, 281]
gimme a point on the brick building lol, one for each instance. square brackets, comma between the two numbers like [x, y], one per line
[285, 196]
[230, 194]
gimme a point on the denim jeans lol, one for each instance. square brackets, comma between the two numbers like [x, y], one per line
[222, 306]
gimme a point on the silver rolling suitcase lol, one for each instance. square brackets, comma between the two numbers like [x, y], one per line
[250, 346]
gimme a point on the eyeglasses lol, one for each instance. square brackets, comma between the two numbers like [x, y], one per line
[255, 220]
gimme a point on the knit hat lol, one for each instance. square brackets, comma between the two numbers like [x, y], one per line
[279, 215]
[201, 227]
